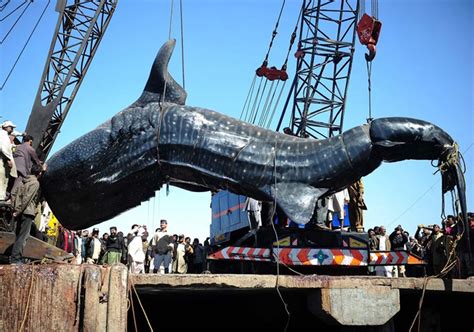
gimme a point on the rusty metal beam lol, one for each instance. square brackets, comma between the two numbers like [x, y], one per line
[34, 249]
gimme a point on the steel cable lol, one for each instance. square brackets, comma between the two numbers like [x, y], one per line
[13, 26]
[24, 47]
[14, 10]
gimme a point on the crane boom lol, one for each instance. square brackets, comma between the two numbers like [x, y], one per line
[325, 52]
[78, 33]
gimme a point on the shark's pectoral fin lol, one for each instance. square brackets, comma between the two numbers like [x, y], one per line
[297, 200]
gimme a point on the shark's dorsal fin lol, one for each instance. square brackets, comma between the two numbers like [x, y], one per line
[161, 81]
[297, 200]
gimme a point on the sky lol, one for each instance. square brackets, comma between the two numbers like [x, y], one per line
[423, 69]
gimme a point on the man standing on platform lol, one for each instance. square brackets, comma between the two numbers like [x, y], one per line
[356, 206]
[7, 163]
[162, 248]
[24, 156]
[25, 209]
[114, 246]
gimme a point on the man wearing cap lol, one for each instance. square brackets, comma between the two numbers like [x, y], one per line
[7, 163]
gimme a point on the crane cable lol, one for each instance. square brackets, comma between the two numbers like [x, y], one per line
[248, 117]
[24, 46]
[275, 31]
[182, 41]
[14, 10]
[16, 21]
[2, 7]
[369, 86]
[266, 109]
[375, 14]
[165, 85]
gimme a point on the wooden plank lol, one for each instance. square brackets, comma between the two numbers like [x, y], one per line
[34, 249]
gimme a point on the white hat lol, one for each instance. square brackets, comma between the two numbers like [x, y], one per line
[8, 124]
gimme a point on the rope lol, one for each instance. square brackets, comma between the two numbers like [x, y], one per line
[277, 286]
[450, 264]
[23, 49]
[140, 303]
[182, 40]
[426, 192]
[19, 17]
[130, 295]
[25, 315]
[451, 255]
[452, 159]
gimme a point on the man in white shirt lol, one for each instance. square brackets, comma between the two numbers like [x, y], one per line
[253, 208]
[135, 251]
[7, 164]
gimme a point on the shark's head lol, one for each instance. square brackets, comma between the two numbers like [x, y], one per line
[114, 167]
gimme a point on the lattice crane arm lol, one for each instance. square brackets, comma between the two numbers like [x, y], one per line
[66, 66]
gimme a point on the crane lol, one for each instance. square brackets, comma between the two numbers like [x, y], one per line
[324, 63]
[79, 31]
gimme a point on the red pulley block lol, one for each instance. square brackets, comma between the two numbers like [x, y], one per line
[368, 30]
[272, 73]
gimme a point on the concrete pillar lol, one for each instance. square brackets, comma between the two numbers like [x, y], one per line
[95, 309]
[117, 298]
[369, 306]
[41, 297]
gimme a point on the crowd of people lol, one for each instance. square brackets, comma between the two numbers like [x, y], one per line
[20, 169]
[434, 244]
[160, 252]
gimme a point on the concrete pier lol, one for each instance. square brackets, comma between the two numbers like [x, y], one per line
[62, 297]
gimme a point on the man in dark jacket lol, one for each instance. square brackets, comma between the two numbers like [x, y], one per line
[27, 196]
[114, 246]
[398, 239]
[25, 157]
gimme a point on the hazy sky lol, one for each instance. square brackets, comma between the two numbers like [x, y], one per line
[423, 69]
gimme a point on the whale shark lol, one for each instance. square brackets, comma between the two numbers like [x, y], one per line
[159, 140]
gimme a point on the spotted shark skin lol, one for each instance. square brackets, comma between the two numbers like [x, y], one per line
[160, 140]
